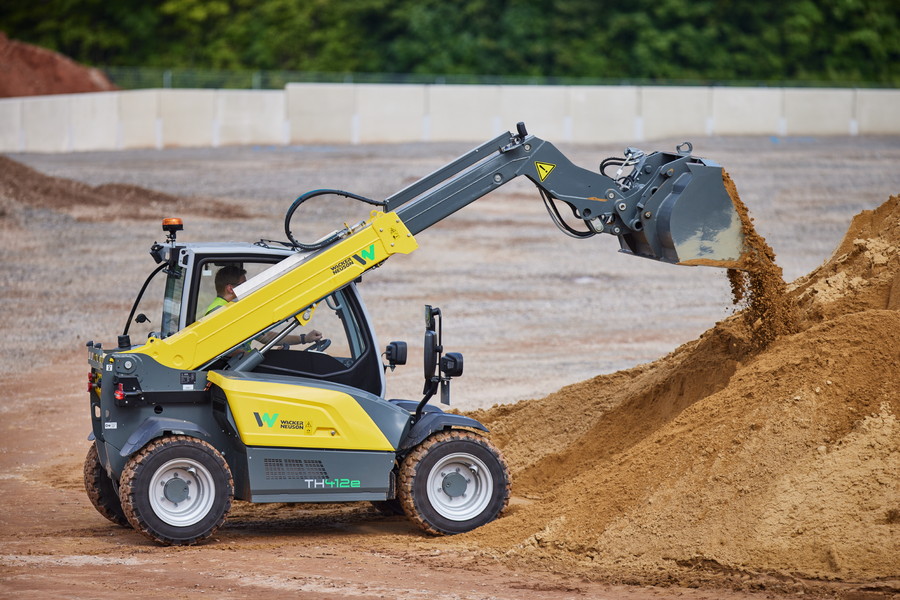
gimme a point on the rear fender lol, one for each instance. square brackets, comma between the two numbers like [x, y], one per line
[435, 421]
[154, 427]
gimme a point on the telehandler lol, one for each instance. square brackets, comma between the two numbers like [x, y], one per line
[217, 405]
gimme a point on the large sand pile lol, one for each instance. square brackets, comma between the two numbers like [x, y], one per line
[28, 70]
[741, 451]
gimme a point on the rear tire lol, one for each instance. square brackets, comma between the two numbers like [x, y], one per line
[101, 490]
[177, 490]
[453, 482]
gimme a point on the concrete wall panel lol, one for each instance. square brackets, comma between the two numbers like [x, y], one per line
[746, 111]
[45, 121]
[391, 113]
[94, 119]
[675, 111]
[321, 112]
[250, 117]
[464, 113]
[818, 111]
[544, 109]
[138, 113]
[10, 124]
[187, 117]
[601, 115]
[878, 111]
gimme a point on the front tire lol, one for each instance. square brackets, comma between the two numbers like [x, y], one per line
[101, 490]
[453, 482]
[177, 490]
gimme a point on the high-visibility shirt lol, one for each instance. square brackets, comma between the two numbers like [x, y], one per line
[216, 304]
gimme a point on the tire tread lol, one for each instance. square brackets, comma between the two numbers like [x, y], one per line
[410, 466]
[134, 470]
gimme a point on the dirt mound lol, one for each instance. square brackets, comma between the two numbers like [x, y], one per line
[21, 187]
[728, 454]
[27, 70]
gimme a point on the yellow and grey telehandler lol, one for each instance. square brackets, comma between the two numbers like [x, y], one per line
[223, 404]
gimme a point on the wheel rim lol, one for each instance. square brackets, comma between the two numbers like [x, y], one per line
[182, 492]
[460, 487]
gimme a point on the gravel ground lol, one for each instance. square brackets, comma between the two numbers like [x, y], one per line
[531, 309]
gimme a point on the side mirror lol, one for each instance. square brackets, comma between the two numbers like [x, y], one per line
[431, 356]
[395, 353]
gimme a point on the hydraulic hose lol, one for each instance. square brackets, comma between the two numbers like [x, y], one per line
[308, 195]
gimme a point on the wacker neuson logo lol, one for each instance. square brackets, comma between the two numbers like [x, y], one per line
[368, 254]
[268, 420]
[305, 426]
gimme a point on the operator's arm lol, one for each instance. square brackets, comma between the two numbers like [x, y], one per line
[291, 340]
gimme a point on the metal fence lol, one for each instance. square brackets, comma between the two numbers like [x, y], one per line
[134, 78]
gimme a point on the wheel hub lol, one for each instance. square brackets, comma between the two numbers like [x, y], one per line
[176, 490]
[454, 485]
[182, 492]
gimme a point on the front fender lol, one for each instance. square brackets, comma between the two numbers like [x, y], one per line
[154, 427]
[435, 421]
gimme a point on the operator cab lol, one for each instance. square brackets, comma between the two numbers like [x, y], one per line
[348, 353]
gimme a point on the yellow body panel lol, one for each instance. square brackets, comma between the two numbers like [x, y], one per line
[313, 278]
[293, 416]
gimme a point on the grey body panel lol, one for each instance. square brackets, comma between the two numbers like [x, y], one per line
[155, 427]
[141, 421]
[318, 475]
[436, 421]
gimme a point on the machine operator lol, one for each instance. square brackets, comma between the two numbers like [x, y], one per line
[230, 276]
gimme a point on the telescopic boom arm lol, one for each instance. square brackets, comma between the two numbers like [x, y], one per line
[671, 207]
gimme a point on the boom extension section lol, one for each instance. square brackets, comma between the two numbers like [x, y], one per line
[671, 207]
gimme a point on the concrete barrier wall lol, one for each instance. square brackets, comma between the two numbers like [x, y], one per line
[139, 125]
[366, 113]
[878, 111]
[819, 112]
[746, 111]
[11, 125]
[47, 124]
[462, 113]
[676, 111]
[249, 117]
[602, 115]
[321, 113]
[96, 123]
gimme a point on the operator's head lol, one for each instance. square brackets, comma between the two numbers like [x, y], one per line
[229, 275]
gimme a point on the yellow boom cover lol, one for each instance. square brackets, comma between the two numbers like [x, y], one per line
[310, 280]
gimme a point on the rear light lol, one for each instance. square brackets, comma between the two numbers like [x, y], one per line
[119, 393]
[91, 384]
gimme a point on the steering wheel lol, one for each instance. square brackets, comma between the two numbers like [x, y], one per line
[318, 346]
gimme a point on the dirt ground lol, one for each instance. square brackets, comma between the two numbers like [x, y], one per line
[654, 452]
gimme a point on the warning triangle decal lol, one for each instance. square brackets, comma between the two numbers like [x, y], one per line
[544, 169]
